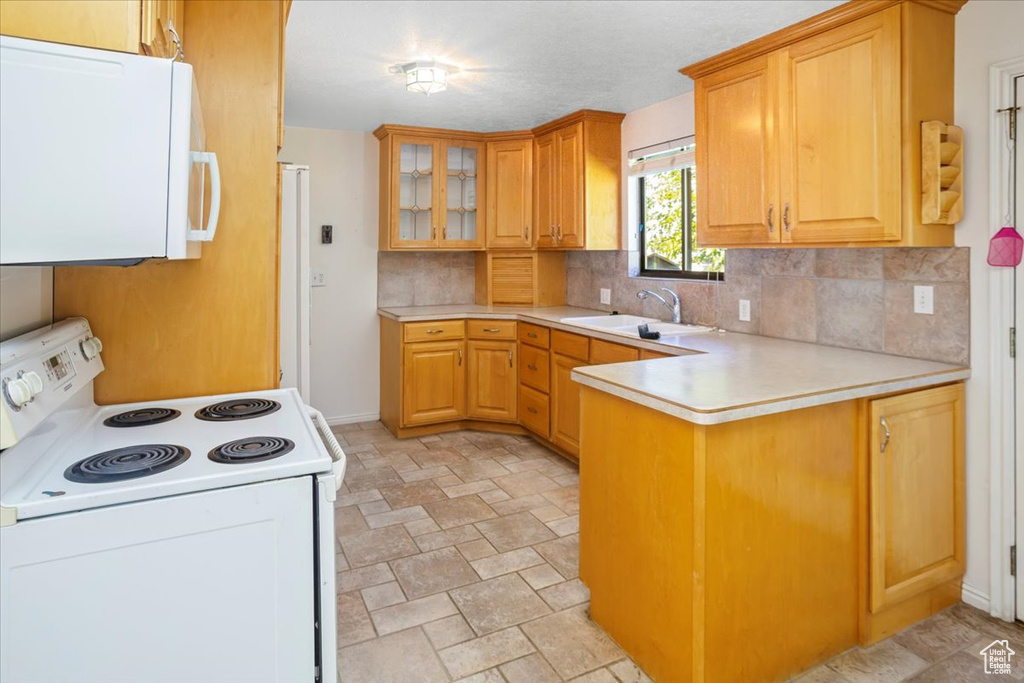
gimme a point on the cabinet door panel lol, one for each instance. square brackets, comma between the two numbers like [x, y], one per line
[493, 389]
[434, 382]
[841, 133]
[569, 222]
[565, 404]
[103, 25]
[737, 163]
[509, 194]
[535, 411]
[544, 191]
[415, 168]
[916, 490]
[462, 195]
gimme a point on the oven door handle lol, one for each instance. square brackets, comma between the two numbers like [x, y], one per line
[337, 455]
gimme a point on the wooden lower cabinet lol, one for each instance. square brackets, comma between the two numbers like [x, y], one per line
[916, 494]
[565, 404]
[433, 382]
[535, 411]
[492, 386]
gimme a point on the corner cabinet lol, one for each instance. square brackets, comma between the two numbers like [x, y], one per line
[431, 192]
[811, 135]
[509, 194]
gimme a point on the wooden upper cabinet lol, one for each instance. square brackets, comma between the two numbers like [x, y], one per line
[736, 125]
[569, 183]
[509, 194]
[462, 192]
[545, 211]
[841, 133]
[811, 136]
[158, 19]
[916, 493]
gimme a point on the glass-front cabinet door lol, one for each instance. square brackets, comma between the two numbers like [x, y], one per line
[416, 224]
[462, 195]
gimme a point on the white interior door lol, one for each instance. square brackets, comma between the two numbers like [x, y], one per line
[1016, 205]
[295, 284]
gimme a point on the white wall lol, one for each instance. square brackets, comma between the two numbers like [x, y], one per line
[345, 355]
[986, 32]
[26, 299]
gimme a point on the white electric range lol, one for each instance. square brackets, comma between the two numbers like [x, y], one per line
[181, 540]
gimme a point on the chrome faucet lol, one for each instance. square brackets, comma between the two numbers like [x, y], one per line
[676, 313]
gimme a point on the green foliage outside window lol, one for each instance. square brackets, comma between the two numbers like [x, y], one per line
[663, 223]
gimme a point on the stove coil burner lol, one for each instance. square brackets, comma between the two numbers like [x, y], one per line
[251, 449]
[142, 417]
[239, 409]
[131, 462]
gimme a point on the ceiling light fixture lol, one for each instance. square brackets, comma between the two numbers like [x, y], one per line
[426, 77]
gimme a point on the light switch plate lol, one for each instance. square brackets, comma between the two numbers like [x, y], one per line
[924, 299]
[318, 280]
[606, 296]
[745, 310]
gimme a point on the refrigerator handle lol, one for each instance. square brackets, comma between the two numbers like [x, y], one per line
[206, 234]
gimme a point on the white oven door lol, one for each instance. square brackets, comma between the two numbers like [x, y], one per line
[213, 586]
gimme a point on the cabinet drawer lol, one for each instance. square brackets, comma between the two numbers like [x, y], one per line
[606, 352]
[491, 329]
[571, 345]
[535, 335]
[534, 369]
[435, 330]
[535, 411]
[647, 354]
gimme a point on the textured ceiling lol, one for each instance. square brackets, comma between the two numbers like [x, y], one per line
[522, 63]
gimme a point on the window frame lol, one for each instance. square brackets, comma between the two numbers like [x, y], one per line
[686, 177]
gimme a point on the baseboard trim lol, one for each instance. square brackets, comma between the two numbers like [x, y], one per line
[352, 419]
[974, 597]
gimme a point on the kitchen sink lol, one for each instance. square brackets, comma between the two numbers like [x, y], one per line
[626, 325]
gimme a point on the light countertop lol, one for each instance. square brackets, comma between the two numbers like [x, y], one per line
[722, 376]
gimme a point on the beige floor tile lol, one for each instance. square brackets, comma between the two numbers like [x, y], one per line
[563, 554]
[348, 520]
[514, 505]
[433, 572]
[599, 676]
[507, 562]
[491, 440]
[495, 496]
[498, 603]
[567, 479]
[375, 661]
[421, 526]
[548, 513]
[475, 550]
[448, 631]
[820, 674]
[426, 473]
[960, 667]
[413, 613]
[429, 439]
[628, 672]
[475, 470]
[356, 449]
[354, 624]
[394, 517]
[515, 531]
[541, 576]
[566, 525]
[983, 623]
[369, 436]
[459, 511]
[374, 507]
[937, 637]
[527, 465]
[481, 486]
[443, 539]
[485, 652]
[432, 457]
[356, 579]
[489, 676]
[567, 498]
[564, 595]
[886, 662]
[401, 446]
[529, 669]
[340, 563]
[383, 595]
[414, 493]
[525, 483]
[347, 499]
[378, 545]
[572, 643]
[376, 478]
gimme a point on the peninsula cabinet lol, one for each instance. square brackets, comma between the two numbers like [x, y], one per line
[810, 136]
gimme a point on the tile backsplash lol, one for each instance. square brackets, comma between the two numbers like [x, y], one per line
[854, 298]
[425, 278]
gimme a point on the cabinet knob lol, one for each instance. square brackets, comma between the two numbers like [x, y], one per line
[531, 335]
[771, 225]
[532, 367]
[888, 434]
[532, 411]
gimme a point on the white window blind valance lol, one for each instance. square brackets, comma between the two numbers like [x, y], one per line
[665, 156]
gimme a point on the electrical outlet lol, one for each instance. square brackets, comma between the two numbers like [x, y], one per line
[923, 299]
[318, 279]
[745, 310]
[606, 296]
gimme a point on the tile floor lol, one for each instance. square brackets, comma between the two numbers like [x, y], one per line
[458, 561]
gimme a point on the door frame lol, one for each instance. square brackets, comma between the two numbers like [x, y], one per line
[1003, 487]
[297, 294]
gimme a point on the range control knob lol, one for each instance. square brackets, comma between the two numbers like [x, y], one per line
[22, 390]
[91, 347]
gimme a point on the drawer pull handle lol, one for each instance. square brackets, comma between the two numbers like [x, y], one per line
[531, 335]
[888, 434]
[532, 367]
[532, 411]
[434, 331]
[492, 329]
